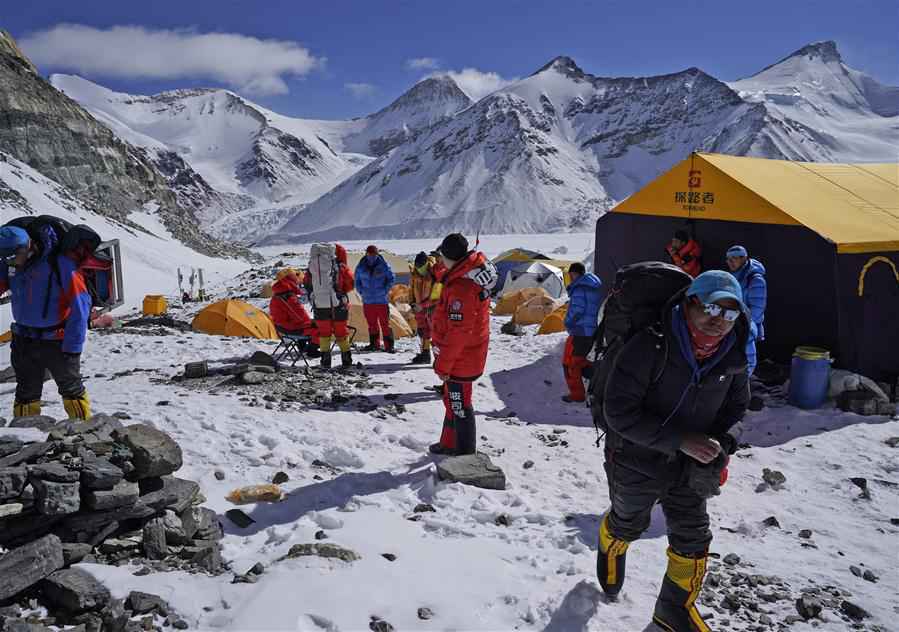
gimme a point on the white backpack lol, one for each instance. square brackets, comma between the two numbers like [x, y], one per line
[323, 270]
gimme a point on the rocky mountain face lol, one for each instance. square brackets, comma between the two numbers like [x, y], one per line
[56, 136]
[558, 148]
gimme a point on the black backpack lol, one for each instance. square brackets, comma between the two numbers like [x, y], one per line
[76, 241]
[635, 303]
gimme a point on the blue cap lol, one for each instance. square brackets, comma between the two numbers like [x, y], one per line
[716, 285]
[11, 239]
[737, 251]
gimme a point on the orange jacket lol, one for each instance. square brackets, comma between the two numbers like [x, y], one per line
[425, 288]
[461, 323]
[687, 258]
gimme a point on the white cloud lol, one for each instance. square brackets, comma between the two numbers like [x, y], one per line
[360, 90]
[422, 63]
[248, 64]
[477, 84]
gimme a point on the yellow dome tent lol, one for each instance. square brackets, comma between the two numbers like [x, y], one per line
[535, 310]
[234, 318]
[398, 324]
[554, 322]
[509, 303]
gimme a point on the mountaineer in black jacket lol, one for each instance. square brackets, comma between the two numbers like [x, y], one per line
[673, 403]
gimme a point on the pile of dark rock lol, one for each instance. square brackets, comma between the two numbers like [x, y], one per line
[734, 597]
[100, 492]
[261, 383]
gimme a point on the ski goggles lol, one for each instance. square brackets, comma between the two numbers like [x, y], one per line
[713, 309]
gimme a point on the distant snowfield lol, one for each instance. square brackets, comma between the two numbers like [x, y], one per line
[571, 246]
[538, 573]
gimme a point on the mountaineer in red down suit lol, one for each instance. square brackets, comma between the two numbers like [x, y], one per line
[461, 335]
[288, 312]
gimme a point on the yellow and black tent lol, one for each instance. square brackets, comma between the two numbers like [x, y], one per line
[827, 233]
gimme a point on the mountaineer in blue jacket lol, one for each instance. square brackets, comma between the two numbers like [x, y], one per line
[51, 308]
[580, 322]
[751, 275]
[374, 278]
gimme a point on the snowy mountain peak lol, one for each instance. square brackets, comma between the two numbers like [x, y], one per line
[428, 102]
[826, 51]
[563, 64]
[428, 91]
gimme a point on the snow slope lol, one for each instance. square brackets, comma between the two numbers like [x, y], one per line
[150, 256]
[558, 148]
[537, 573]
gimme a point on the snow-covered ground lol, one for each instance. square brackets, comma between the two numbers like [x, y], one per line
[537, 573]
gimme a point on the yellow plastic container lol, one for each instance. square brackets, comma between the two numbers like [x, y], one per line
[812, 353]
[154, 304]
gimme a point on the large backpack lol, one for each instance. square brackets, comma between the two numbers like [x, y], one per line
[78, 242]
[323, 270]
[634, 303]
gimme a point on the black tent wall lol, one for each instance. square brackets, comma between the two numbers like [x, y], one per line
[803, 270]
[869, 324]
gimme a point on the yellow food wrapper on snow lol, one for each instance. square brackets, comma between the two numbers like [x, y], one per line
[255, 494]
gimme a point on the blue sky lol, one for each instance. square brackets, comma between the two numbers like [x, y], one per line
[338, 59]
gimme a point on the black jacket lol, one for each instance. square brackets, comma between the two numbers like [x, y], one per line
[651, 380]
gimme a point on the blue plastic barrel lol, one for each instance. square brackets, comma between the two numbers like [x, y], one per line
[809, 377]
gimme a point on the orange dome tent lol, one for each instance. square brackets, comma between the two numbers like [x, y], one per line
[510, 302]
[554, 322]
[234, 318]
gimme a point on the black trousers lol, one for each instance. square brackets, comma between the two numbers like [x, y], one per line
[633, 496]
[31, 358]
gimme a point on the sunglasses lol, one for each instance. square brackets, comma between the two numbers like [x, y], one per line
[713, 309]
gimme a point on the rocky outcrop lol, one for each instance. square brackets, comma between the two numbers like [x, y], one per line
[101, 492]
[45, 129]
[53, 134]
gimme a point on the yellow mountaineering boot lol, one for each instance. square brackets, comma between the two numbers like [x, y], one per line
[610, 560]
[26, 409]
[78, 408]
[675, 609]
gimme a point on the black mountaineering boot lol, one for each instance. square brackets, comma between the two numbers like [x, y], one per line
[326, 360]
[466, 433]
[422, 358]
[389, 344]
[610, 560]
[675, 609]
[346, 359]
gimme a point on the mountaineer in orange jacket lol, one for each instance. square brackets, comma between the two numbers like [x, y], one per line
[461, 336]
[685, 253]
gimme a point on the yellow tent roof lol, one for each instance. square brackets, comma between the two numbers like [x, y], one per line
[855, 206]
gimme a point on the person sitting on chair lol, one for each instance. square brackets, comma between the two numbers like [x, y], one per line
[288, 313]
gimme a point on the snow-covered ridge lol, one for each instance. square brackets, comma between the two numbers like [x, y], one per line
[235, 146]
[554, 150]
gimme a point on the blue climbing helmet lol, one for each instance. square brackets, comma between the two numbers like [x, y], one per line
[12, 239]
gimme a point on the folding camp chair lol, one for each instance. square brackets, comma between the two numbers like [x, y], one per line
[291, 347]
